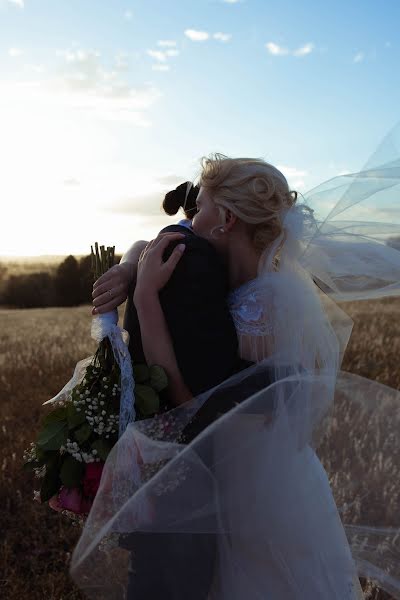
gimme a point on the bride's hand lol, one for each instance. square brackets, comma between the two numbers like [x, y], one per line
[111, 289]
[153, 272]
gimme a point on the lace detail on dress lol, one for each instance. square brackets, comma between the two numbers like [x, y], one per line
[247, 310]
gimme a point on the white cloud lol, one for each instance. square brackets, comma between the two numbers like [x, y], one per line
[304, 50]
[294, 176]
[121, 61]
[159, 67]
[276, 50]
[231, 1]
[128, 14]
[14, 52]
[19, 3]
[291, 171]
[157, 55]
[172, 52]
[36, 68]
[196, 36]
[162, 56]
[359, 57]
[84, 84]
[166, 43]
[222, 37]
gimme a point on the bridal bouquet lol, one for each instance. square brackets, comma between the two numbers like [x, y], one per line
[93, 409]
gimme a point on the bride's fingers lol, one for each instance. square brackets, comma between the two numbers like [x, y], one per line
[162, 246]
[160, 237]
[108, 306]
[104, 278]
[162, 240]
[109, 296]
[104, 288]
[168, 237]
[175, 257]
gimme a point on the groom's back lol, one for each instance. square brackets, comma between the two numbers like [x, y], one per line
[194, 304]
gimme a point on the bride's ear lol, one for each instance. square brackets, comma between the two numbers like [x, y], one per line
[230, 220]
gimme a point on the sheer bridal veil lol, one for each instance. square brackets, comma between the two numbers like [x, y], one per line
[251, 480]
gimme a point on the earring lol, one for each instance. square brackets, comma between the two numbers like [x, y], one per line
[222, 230]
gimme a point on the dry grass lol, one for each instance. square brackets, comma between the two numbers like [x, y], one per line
[38, 351]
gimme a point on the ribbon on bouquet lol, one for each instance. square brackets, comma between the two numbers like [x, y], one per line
[106, 325]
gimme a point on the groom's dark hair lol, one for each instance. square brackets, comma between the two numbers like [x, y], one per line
[194, 303]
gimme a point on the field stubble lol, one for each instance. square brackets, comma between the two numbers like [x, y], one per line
[38, 351]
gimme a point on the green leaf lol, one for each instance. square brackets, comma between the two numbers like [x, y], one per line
[29, 466]
[50, 486]
[103, 448]
[45, 458]
[71, 472]
[51, 482]
[58, 414]
[83, 433]
[158, 378]
[141, 373]
[53, 436]
[75, 418]
[146, 399]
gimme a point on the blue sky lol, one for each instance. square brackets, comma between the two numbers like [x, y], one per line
[105, 105]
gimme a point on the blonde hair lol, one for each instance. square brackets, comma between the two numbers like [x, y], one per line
[252, 189]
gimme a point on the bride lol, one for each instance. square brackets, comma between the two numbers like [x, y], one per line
[252, 478]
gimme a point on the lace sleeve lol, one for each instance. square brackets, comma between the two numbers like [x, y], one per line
[250, 312]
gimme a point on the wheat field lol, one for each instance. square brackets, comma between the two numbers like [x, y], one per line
[38, 351]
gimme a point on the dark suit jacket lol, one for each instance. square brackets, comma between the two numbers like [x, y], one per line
[195, 308]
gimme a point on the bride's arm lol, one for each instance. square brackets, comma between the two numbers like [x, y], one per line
[152, 275]
[157, 344]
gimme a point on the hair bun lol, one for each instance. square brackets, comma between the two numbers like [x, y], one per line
[175, 199]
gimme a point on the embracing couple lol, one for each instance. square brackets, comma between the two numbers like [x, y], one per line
[223, 304]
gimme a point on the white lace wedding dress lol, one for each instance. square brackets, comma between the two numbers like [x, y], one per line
[300, 550]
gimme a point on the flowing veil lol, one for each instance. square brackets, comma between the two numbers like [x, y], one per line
[252, 480]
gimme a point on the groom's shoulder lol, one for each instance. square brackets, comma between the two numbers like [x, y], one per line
[194, 243]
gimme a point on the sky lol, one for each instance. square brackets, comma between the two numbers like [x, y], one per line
[107, 105]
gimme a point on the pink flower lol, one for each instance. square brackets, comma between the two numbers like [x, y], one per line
[72, 499]
[54, 503]
[91, 480]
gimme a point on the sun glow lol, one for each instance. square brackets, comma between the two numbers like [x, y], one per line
[60, 188]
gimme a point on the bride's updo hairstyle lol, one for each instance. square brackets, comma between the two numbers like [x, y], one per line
[184, 196]
[252, 189]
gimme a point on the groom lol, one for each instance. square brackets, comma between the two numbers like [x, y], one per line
[206, 348]
[195, 308]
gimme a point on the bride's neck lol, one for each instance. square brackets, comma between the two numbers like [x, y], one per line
[242, 262]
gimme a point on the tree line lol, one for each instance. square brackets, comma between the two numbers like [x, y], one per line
[70, 285]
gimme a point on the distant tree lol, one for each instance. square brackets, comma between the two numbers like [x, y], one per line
[70, 285]
[34, 290]
[86, 280]
[67, 283]
[3, 272]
